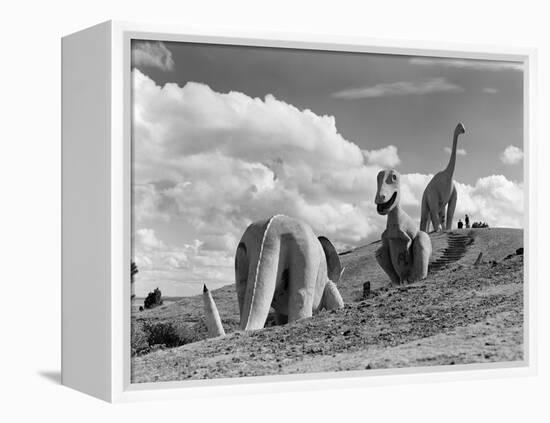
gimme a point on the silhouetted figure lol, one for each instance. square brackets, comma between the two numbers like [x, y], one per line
[467, 221]
[460, 224]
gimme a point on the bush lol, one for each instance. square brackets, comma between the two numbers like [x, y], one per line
[166, 334]
[153, 299]
[139, 342]
[148, 336]
[480, 225]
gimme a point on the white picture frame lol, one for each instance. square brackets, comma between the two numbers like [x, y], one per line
[96, 229]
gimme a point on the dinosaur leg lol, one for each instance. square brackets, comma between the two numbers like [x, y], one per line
[421, 252]
[434, 216]
[331, 300]
[451, 209]
[442, 217]
[384, 260]
[424, 214]
[302, 280]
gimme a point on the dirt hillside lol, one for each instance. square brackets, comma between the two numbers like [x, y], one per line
[461, 313]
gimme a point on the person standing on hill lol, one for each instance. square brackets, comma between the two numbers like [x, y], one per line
[467, 221]
[460, 224]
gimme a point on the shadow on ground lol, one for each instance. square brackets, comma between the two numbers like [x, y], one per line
[53, 376]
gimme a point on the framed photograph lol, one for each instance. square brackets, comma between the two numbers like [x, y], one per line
[249, 213]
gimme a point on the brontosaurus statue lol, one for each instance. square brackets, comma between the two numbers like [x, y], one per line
[280, 263]
[405, 251]
[440, 193]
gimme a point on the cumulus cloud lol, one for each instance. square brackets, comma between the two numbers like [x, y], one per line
[152, 53]
[466, 64]
[493, 199]
[511, 155]
[147, 238]
[385, 157]
[214, 162]
[459, 151]
[427, 86]
[412, 188]
[219, 161]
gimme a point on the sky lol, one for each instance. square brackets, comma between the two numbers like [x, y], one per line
[226, 135]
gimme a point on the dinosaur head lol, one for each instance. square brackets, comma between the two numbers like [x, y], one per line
[387, 194]
[460, 129]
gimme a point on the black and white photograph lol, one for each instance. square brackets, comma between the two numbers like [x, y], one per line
[304, 211]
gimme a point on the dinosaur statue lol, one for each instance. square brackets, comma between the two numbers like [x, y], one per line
[405, 251]
[280, 263]
[212, 317]
[440, 193]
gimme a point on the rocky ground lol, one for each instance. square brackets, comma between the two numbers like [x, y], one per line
[462, 313]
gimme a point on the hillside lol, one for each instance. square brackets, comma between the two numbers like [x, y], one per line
[460, 314]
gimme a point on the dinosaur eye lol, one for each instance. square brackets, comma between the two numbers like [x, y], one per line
[394, 177]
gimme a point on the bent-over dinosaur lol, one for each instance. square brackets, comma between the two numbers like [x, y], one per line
[405, 251]
[440, 193]
[280, 263]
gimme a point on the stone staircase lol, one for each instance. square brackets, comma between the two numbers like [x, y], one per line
[457, 245]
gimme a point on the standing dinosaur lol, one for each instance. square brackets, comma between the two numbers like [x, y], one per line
[441, 193]
[405, 251]
[280, 263]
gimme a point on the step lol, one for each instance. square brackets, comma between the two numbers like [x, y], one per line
[448, 259]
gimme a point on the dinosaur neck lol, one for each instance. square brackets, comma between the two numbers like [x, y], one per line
[394, 216]
[450, 169]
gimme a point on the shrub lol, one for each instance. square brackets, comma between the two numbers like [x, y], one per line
[480, 225]
[171, 334]
[165, 333]
[153, 299]
[149, 336]
[139, 342]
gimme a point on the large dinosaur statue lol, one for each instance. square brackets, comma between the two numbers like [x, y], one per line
[280, 263]
[440, 193]
[405, 251]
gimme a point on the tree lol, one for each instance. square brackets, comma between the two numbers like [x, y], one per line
[153, 299]
[133, 271]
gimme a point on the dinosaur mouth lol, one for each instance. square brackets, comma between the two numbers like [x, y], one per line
[384, 207]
